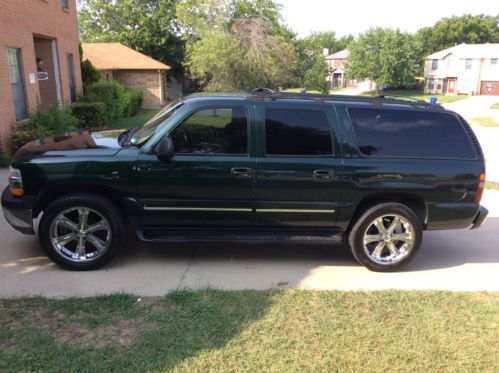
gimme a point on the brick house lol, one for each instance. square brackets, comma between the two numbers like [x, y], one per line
[39, 59]
[463, 69]
[336, 77]
[130, 68]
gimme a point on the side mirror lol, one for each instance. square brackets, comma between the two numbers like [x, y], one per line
[164, 150]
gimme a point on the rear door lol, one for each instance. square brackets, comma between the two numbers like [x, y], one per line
[298, 166]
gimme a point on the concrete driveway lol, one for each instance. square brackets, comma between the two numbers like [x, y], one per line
[479, 106]
[450, 260]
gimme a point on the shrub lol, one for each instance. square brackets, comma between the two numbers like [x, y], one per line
[110, 93]
[89, 74]
[133, 102]
[41, 124]
[4, 160]
[55, 120]
[23, 135]
[89, 114]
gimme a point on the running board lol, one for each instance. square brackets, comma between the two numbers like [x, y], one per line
[296, 237]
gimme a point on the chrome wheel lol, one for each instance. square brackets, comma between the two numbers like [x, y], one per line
[389, 239]
[80, 234]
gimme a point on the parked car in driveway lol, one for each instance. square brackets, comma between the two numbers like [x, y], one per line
[255, 167]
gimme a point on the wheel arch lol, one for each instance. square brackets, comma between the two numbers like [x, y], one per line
[413, 201]
[52, 192]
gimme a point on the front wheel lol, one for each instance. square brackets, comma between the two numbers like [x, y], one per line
[386, 237]
[81, 231]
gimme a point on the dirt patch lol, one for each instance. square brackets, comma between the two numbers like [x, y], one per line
[75, 329]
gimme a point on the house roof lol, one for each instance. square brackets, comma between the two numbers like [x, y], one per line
[116, 56]
[341, 55]
[468, 51]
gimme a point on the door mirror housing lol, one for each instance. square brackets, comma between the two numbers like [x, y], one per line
[165, 150]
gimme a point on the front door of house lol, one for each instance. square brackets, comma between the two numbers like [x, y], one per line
[451, 85]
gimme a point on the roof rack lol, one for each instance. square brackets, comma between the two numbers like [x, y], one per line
[267, 93]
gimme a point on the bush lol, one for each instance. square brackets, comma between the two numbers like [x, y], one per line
[89, 114]
[110, 93]
[4, 160]
[55, 120]
[133, 102]
[41, 124]
[89, 74]
[23, 135]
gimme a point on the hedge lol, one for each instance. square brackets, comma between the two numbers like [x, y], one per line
[133, 101]
[90, 114]
[112, 94]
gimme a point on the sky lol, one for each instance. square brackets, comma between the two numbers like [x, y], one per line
[355, 16]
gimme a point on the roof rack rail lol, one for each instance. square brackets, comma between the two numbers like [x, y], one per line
[267, 93]
[400, 97]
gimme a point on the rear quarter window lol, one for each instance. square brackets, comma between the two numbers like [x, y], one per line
[409, 133]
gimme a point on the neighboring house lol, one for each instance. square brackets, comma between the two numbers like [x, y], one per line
[463, 69]
[39, 60]
[130, 68]
[336, 77]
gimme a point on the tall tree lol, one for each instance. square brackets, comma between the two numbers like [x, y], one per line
[148, 26]
[388, 57]
[456, 30]
[250, 55]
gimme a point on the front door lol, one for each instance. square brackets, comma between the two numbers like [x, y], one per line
[209, 180]
[298, 166]
[451, 85]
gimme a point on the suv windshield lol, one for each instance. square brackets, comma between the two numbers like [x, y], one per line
[143, 134]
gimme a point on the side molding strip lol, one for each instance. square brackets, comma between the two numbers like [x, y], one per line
[315, 211]
[236, 209]
[197, 209]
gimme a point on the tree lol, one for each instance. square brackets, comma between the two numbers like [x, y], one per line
[248, 56]
[456, 30]
[148, 26]
[311, 47]
[315, 78]
[386, 56]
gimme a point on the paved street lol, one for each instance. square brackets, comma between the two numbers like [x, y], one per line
[452, 260]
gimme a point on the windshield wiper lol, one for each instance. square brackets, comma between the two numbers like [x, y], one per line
[125, 137]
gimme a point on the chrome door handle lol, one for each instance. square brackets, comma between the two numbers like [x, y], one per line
[323, 175]
[241, 172]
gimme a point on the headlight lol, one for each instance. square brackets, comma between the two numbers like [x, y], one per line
[16, 182]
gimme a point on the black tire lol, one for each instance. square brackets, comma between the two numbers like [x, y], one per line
[364, 222]
[96, 203]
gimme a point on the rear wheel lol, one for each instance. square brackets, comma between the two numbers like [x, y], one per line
[386, 237]
[81, 231]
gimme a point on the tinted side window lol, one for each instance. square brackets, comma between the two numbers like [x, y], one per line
[297, 132]
[409, 133]
[213, 131]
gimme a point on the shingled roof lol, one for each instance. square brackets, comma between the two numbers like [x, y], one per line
[116, 56]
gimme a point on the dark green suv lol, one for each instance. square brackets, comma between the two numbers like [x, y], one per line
[255, 167]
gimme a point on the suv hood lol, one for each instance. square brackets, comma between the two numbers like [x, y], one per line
[74, 144]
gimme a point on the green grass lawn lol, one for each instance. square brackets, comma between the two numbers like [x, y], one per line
[484, 121]
[491, 185]
[138, 120]
[252, 331]
[441, 99]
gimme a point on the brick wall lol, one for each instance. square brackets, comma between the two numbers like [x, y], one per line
[20, 22]
[148, 81]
